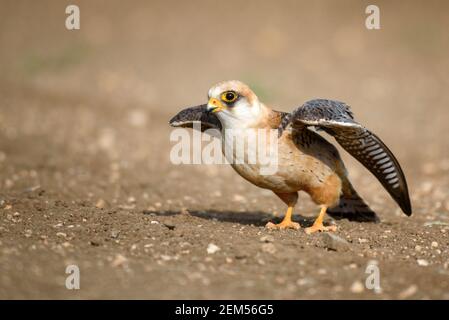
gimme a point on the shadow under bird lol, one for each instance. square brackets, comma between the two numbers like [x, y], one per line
[305, 160]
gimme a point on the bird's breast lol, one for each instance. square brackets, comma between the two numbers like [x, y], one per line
[279, 164]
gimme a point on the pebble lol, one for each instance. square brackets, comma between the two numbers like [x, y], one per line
[61, 234]
[407, 293]
[185, 211]
[170, 225]
[119, 260]
[239, 198]
[267, 239]
[100, 204]
[127, 206]
[95, 243]
[212, 248]
[115, 234]
[422, 262]
[154, 222]
[357, 287]
[334, 242]
[304, 281]
[434, 244]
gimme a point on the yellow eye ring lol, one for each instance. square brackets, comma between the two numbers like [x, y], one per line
[229, 96]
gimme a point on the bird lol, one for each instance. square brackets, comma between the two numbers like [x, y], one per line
[306, 161]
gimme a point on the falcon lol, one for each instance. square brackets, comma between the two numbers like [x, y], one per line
[306, 161]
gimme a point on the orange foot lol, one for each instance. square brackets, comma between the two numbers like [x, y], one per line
[283, 225]
[319, 227]
[318, 224]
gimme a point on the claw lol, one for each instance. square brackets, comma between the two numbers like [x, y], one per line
[283, 225]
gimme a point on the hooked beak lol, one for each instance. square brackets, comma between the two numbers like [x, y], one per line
[214, 105]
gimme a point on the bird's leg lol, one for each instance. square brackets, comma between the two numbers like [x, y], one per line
[290, 199]
[318, 224]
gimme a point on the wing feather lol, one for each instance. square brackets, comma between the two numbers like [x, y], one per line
[336, 118]
[187, 117]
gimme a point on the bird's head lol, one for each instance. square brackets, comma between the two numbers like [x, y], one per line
[234, 103]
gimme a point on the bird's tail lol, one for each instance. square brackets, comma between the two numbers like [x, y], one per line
[352, 206]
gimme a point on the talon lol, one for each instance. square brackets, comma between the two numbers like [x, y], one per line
[320, 228]
[287, 223]
[283, 225]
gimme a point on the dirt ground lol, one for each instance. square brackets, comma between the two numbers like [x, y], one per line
[85, 174]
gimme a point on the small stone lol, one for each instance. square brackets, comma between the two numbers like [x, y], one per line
[267, 239]
[95, 243]
[334, 242]
[434, 244]
[240, 255]
[322, 271]
[269, 248]
[422, 262]
[100, 204]
[61, 234]
[119, 260]
[357, 287]
[407, 293]
[127, 206]
[165, 257]
[418, 248]
[239, 198]
[184, 211]
[361, 240]
[212, 248]
[131, 199]
[304, 281]
[154, 222]
[170, 225]
[115, 234]
[66, 244]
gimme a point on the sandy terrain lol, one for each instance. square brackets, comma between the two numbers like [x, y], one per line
[85, 174]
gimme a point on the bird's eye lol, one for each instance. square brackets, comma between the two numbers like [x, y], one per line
[229, 96]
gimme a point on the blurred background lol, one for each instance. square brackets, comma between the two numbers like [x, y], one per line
[83, 113]
[164, 55]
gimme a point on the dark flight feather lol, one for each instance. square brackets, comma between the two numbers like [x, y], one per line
[187, 117]
[337, 119]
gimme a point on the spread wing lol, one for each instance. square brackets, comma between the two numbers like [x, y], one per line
[336, 118]
[187, 117]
